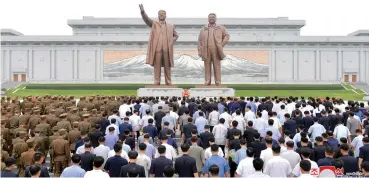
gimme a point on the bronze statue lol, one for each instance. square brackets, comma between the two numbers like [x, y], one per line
[160, 45]
[212, 39]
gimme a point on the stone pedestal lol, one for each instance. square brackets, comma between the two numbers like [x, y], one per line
[211, 86]
[160, 91]
[212, 92]
[161, 86]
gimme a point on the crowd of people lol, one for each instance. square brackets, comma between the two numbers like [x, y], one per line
[128, 136]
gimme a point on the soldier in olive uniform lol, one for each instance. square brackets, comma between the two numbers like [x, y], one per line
[61, 152]
[51, 118]
[73, 137]
[14, 120]
[85, 125]
[74, 116]
[41, 142]
[43, 126]
[51, 139]
[34, 120]
[64, 124]
[60, 109]
[81, 103]
[26, 158]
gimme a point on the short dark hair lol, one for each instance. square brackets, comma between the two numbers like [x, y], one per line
[305, 165]
[98, 161]
[250, 152]
[37, 156]
[132, 155]
[185, 147]
[305, 152]
[117, 147]
[101, 139]
[76, 158]
[142, 146]
[214, 169]
[270, 121]
[269, 133]
[344, 147]
[113, 121]
[319, 139]
[329, 150]
[161, 149]
[9, 162]
[88, 145]
[34, 169]
[276, 149]
[214, 148]
[268, 141]
[168, 171]
[111, 129]
[258, 164]
[337, 163]
[290, 144]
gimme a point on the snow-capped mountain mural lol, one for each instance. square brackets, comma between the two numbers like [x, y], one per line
[187, 69]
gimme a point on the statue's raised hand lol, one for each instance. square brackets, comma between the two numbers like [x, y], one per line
[141, 8]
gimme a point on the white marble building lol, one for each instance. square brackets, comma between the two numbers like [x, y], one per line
[274, 50]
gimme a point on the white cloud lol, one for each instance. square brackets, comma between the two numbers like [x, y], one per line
[49, 17]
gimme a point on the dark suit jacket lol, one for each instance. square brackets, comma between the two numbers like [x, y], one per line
[258, 147]
[187, 129]
[94, 136]
[158, 116]
[44, 172]
[139, 169]
[205, 139]
[182, 110]
[249, 133]
[345, 116]
[308, 121]
[291, 126]
[87, 160]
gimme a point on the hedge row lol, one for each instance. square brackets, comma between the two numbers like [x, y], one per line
[185, 86]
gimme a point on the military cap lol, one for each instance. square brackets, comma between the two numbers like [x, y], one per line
[86, 115]
[63, 115]
[62, 131]
[43, 116]
[75, 109]
[30, 141]
[60, 102]
[55, 128]
[36, 108]
[75, 123]
[22, 133]
[94, 109]
[37, 129]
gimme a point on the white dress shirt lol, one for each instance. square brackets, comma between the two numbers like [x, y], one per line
[144, 161]
[297, 172]
[102, 151]
[245, 167]
[278, 167]
[264, 115]
[208, 153]
[241, 123]
[134, 121]
[292, 157]
[123, 109]
[266, 155]
[145, 121]
[260, 125]
[227, 117]
[116, 131]
[290, 107]
[258, 174]
[123, 154]
[341, 131]
[220, 133]
[96, 174]
[170, 153]
[213, 118]
[250, 116]
[316, 130]
[81, 150]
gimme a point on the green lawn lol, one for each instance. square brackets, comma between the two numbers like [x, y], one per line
[241, 90]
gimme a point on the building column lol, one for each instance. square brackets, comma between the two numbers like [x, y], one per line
[295, 65]
[362, 64]
[339, 64]
[75, 64]
[270, 64]
[101, 61]
[52, 65]
[317, 64]
[9, 65]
